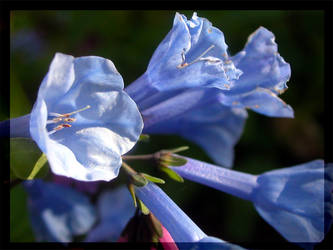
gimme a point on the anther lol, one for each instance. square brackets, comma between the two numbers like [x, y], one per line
[199, 58]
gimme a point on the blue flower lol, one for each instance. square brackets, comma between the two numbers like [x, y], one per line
[83, 120]
[193, 88]
[58, 213]
[178, 224]
[193, 54]
[115, 209]
[289, 199]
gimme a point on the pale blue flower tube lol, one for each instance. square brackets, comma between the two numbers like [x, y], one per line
[293, 200]
[58, 213]
[178, 224]
[82, 119]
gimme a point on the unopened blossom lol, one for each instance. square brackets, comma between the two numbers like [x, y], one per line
[295, 201]
[194, 88]
[58, 213]
[82, 119]
[179, 225]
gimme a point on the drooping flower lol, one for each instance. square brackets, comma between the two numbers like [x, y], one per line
[293, 200]
[58, 213]
[179, 225]
[193, 88]
[115, 208]
[82, 119]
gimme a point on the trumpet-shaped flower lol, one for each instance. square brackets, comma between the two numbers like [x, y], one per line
[115, 208]
[293, 200]
[193, 88]
[58, 213]
[177, 223]
[83, 120]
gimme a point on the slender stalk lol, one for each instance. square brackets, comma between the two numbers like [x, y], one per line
[139, 157]
[128, 169]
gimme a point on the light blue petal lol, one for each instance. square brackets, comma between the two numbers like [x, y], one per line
[262, 101]
[115, 209]
[58, 80]
[292, 201]
[108, 126]
[194, 42]
[261, 65]
[58, 213]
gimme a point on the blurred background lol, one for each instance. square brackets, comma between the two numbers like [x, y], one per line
[129, 38]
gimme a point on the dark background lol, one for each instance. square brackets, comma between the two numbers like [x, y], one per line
[129, 38]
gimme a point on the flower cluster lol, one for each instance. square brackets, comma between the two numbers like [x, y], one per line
[84, 121]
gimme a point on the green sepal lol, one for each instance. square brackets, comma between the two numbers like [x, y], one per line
[179, 149]
[38, 166]
[131, 189]
[139, 180]
[172, 174]
[144, 138]
[26, 159]
[143, 207]
[153, 178]
[174, 161]
[156, 224]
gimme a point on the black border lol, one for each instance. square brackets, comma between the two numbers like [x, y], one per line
[6, 6]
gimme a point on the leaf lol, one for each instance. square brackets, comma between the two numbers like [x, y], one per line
[38, 166]
[153, 178]
[132, 191]
[143, 207]
[174, 161]
[139, 180]
[24, 153]
[172, 174]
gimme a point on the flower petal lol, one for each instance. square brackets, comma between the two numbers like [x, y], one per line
[292, 201]
[261, 65]
[262, 101]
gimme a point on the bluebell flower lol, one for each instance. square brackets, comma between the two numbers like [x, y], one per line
[82, 119]
[178, 224]
[115, 208]
[58, 213]
[193, 88]
[290, 199]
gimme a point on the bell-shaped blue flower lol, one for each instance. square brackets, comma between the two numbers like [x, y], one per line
[193, 88]
[178, 224]
[58, 213]
[293, 200]
[83, 120]
[115, 208]
[193, 54]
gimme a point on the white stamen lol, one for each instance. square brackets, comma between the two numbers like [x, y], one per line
[199, 58]
[74, 112]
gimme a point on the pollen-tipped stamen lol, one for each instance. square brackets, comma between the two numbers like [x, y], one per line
[184, 64]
